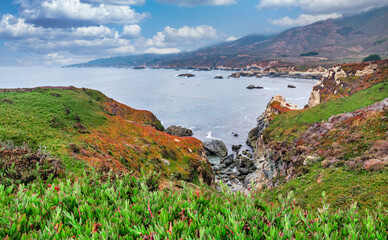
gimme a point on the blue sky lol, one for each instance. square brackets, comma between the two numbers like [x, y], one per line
[59, 32]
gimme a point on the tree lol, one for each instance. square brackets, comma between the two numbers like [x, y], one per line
[372, 57]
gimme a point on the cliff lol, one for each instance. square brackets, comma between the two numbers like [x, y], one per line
[84, 129]
[342, 136]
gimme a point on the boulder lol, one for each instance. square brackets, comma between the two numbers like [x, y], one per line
[236, 148]
[215, 147]
[291, 86]
[179, 131]
[218, 77]
[228, 160]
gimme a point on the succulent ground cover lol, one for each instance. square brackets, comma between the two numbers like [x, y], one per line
[86, 207]
[84, 128]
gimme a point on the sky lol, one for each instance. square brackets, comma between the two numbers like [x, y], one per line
[62, 32]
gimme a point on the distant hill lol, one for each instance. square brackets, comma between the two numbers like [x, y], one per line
[347, 39]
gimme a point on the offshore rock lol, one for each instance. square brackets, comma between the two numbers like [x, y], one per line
[179, 131]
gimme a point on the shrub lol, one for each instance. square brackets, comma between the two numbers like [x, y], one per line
[372, 57]
[309, 54]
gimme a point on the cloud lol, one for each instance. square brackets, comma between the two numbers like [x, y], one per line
[62, 13]
[185, 35]
[131, 31]
[303, 19]
[232, 38]
[115, 2]
[16, 28]
[162, 50]
[198, 2]
[198, 32]
[323, 6]
[13, 28]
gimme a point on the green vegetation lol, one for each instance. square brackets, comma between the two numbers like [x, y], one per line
[48, 117]
[302, 68]
[288, 126]
[309, 54]
[373, 57]
[91, 208]
[342, 186]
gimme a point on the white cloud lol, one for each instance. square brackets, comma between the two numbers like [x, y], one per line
[131, 31]
[14, 28]
[115, 2]
[199, 2]
[185, 35]
[303, 19]
[323, 6]
[198, 32]
[232, 38]
[46, 12]
[162, 50]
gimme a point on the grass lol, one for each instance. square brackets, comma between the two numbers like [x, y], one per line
[342, 186]
[47, 117]
[88, 208]
[288, 126]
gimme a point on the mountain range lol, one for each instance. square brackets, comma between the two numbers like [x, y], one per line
[327, 42]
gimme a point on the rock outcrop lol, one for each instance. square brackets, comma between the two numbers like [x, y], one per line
[276, 106]
[347, 79]
[179, 131]
[342, 140]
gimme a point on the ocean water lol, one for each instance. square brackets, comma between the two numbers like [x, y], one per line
[212, 108]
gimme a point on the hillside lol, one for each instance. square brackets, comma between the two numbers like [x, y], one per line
[77, 164]
[337, 145]
[347, 39]
[84, 130]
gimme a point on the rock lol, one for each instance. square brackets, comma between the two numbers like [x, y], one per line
[254, 87]
[216, 147]
[291, 86]
[218, 77]
[179, 131]
[165, 161]
[311, 159]
[235, 75]
[188, 75]
[244, 171]
[229, 160]
[276, 106]
[236, 148]
[315, 99]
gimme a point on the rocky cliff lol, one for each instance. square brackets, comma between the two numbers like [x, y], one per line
[346, 129]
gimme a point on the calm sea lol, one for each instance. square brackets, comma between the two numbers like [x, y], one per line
[212, 108]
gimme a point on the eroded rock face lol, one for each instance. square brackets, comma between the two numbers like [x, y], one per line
[276, 106]
[179, 131]
[215, 147]
[347, 79]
